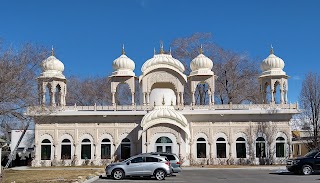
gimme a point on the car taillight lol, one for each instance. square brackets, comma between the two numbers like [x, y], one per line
[168, 163]
[178, 163]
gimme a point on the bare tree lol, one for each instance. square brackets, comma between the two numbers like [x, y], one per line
[237, 73]
[18, 87]
[310, 102]
[88, 91]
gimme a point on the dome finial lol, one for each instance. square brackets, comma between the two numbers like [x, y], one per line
[161, 48]
[154, 51]
[52, 51]
[271, 49]
[123, 52]
[201, 50]
[170, 51]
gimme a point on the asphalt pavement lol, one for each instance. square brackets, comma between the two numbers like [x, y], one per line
[227, 175]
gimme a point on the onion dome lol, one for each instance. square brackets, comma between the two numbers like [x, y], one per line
[272, 65]
[167, 114]
[52, 67]
[201, 65]
[163, 59]
[123, 65]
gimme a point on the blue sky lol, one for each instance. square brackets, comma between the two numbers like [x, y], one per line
[88, 35]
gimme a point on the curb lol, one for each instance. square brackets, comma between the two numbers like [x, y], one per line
[92, 179]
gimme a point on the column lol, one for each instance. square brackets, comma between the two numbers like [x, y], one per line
[144, 98]
[76, 154]
[193, 99]
[210, 99]
[286, 97]
[272, 96]
[210, 152]
[182, 100]
[148, 98]
[132, 98]
[113, 98]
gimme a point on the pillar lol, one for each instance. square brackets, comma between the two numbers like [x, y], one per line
[113, 98]
[193, 99]
[132, 98]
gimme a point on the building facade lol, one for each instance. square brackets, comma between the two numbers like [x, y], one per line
[199, 134]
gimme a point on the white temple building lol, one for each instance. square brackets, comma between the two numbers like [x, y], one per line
[198, 134]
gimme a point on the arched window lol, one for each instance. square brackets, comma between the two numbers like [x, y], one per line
[66, 149]
[164, 144]
[221, 148]
[46, 149]
[241, 147]
[105, 149]
[86, 149]
[125, 148]
[260, 147]
[280, 153]
[201, 148]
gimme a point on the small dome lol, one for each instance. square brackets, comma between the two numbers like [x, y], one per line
[52, 63]
[163, 58]
[167, 114]
[201, 62]
[123, 65]
[52, 67]
[272, 64]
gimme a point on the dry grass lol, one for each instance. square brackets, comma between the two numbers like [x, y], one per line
[52, 176]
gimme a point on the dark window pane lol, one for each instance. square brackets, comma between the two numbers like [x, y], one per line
[46, 141]
[105, 151]
[164, 140]
[279, 150]
[201, 150]
[66, 140]
[125, 151]
[168, 149]
[241, 139]
[221, 150]
[241, 150]
[201, 139]
[137, 160]
[85, 151]
[105, 140]
[65, 151]
[152, 159]
[126, 140]
[280, 138]
[169, 156]
[220, 139]
[159, 148]
[260, 150]
[85, 140]
[260, 139]
[45, 152]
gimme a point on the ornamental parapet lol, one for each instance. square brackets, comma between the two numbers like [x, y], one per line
[49, 109]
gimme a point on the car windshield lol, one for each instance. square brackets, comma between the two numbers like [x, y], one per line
[311, 154]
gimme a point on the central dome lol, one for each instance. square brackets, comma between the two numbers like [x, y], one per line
[163, 59]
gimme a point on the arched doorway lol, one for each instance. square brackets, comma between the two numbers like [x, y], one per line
[163, 144]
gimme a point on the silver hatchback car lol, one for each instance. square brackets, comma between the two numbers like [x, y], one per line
[140, 165]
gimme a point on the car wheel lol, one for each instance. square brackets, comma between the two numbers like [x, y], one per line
[117, 174]
[306, 170]
[160, 175]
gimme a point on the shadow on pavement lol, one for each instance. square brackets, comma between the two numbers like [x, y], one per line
[293, 174]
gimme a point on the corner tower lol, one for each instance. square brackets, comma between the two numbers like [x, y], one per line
[273, 80]
[52, 83]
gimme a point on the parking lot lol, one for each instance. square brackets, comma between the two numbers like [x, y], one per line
[228, 176]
